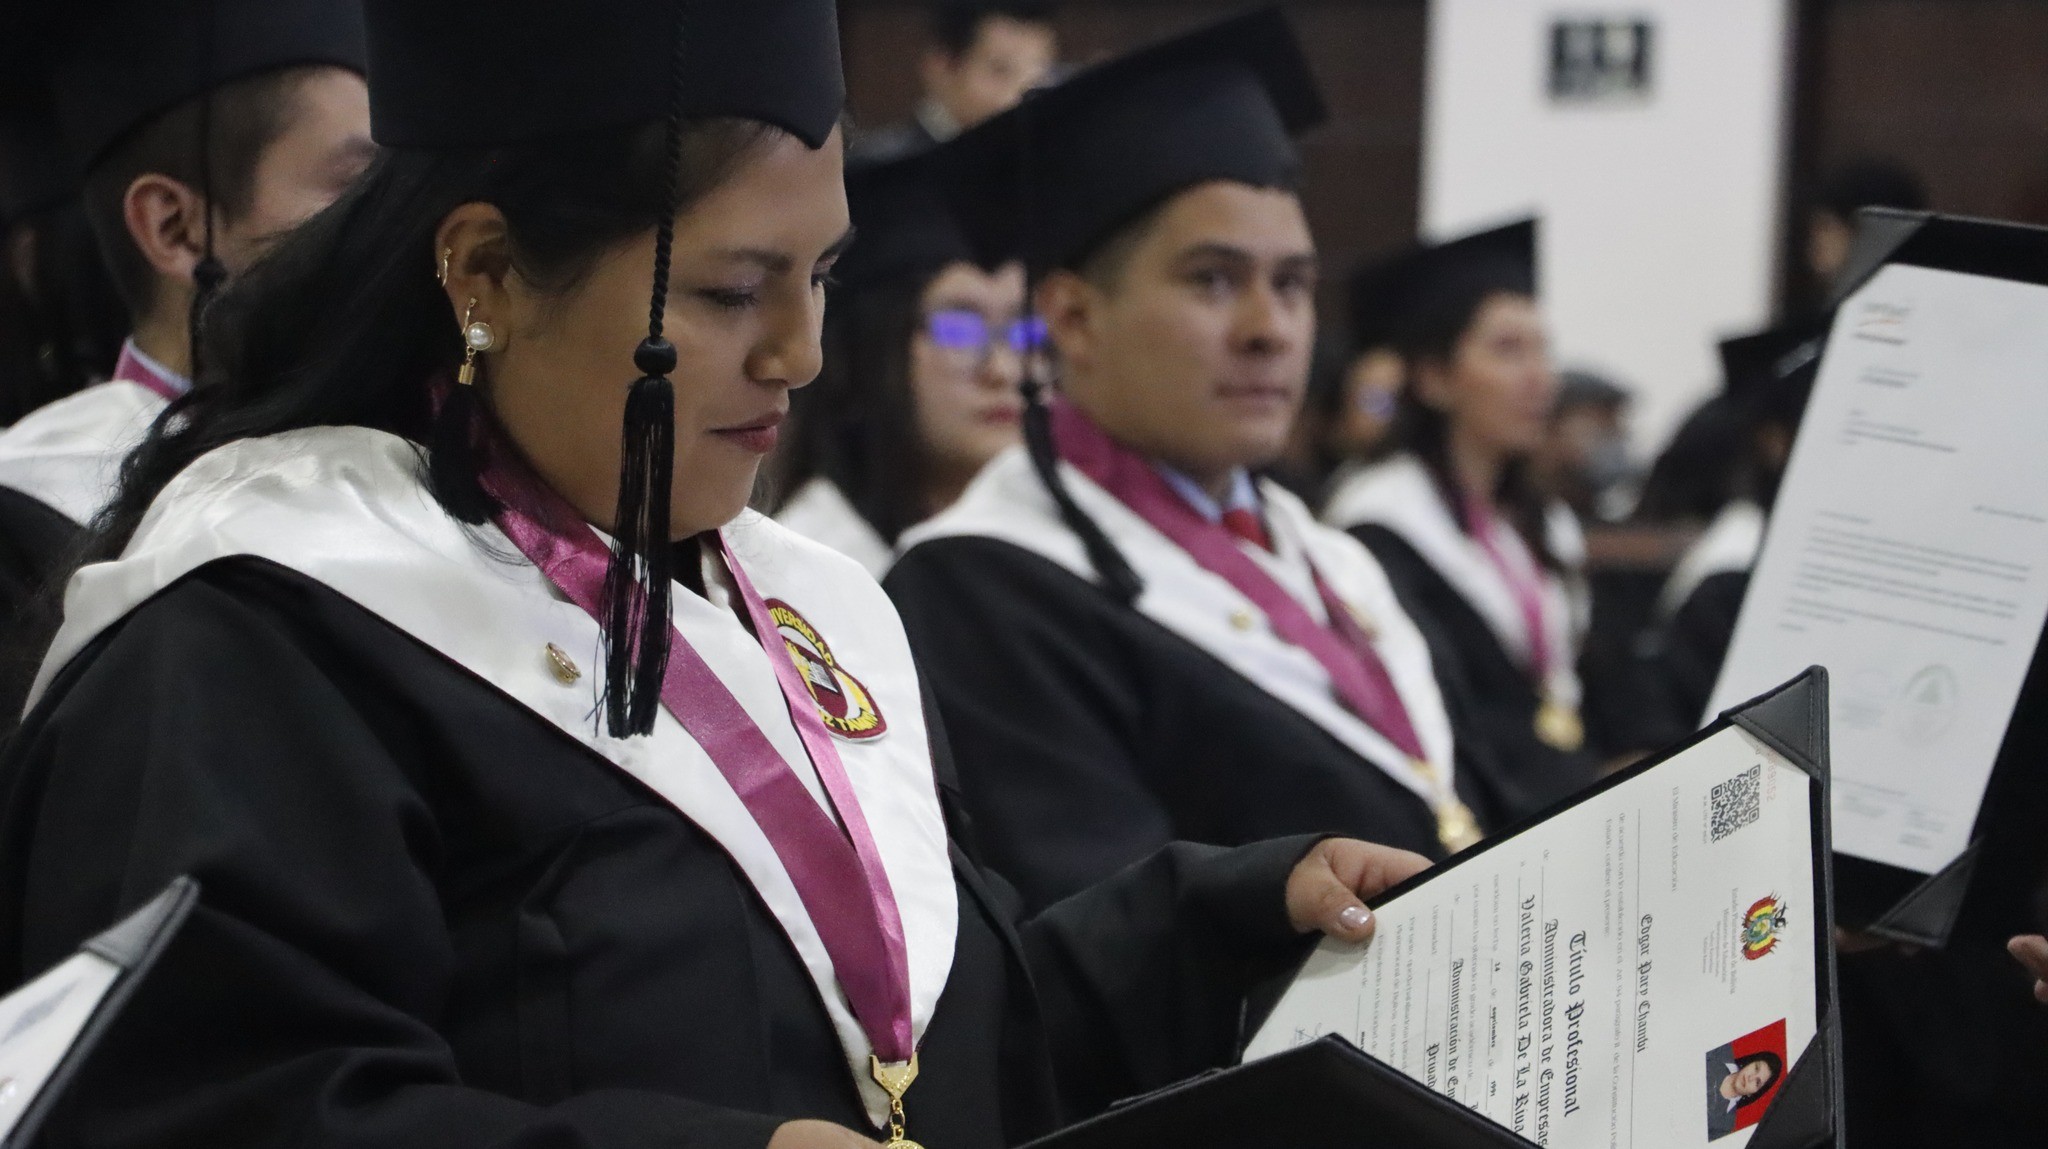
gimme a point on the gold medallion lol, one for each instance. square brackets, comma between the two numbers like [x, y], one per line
[1456, 828]
[1559, 726]
[895, 1080]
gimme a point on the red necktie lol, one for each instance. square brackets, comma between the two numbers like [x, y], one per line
[1246, 525]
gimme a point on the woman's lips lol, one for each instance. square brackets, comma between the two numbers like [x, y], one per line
[758, 436]
[1002, 416]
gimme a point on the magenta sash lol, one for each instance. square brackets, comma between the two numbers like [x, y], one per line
[838, 874]
[1357, 675]
[1525, 585]
[131, 369]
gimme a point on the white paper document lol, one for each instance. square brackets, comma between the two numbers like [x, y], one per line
[1637, 971]
[40, 1022]
[1907, 551]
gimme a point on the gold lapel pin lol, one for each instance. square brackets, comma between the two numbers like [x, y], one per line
[562, 665]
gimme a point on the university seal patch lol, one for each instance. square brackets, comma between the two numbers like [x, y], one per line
[1762, 926]
[845, 705]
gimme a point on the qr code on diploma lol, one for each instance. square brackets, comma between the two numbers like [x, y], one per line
[1735, 803]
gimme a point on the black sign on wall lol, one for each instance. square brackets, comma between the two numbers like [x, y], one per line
[1597, 61]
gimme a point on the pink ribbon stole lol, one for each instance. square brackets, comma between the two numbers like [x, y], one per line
[1525, 584]
[1357, 674]
[130, 368]
[838, 874]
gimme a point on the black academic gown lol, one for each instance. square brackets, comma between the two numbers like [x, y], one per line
[431, 918]
[1495, 696]
[1089, 733]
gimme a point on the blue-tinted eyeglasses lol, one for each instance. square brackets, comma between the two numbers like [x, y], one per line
[959, 329]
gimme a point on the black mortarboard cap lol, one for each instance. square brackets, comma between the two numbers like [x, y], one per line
[1051, 178]
[902, 224]
[121, 63]
[448, 75]
[1414, 290]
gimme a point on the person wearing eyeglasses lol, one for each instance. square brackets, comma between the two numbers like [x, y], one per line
[925, 350]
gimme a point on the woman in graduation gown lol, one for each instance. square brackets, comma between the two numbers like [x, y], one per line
[494, 853]
[1486, 565]
[924, 352]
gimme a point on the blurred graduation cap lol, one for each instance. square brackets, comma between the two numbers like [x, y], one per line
[121, 63]
[449, 75]
[1051, 178]
[1396, 300]
[903, 226]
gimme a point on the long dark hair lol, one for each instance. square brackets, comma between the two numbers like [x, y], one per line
[1425, 432]
[343, 324]
[857, 425]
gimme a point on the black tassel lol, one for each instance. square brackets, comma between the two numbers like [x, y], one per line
[636, 586]
[637, 583]
[207, 279]
[1118, 578]
[209, 273]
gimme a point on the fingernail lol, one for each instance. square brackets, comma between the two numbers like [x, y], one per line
[1355, 918]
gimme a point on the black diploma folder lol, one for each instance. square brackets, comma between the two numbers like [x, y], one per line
[131, 947]
[1328, 1092]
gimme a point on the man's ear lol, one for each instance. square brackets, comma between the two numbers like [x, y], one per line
[1069, 304]
[166, 221]
[473, 253]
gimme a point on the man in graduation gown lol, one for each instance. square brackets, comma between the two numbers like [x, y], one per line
[1132, 639]
[276, 87]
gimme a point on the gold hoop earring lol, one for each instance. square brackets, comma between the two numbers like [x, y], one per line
[476, 337]
[447, 254]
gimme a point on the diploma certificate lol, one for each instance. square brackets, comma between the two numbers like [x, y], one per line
[1908, 552]
[1639, 969]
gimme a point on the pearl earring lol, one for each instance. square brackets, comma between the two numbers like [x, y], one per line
[476, 337]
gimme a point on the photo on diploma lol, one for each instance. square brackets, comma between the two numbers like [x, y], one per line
[1743, 1077]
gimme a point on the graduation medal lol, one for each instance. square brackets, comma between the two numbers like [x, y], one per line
[1456, 827]
[1559, 726]
[895, 1080]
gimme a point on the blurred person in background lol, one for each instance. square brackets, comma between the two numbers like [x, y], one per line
[983, 55]
[1698, 472]
[1583, 457]
[924, 354]
[204, 129]
[1354, 388]
[1769, 380]
[1482, 558]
